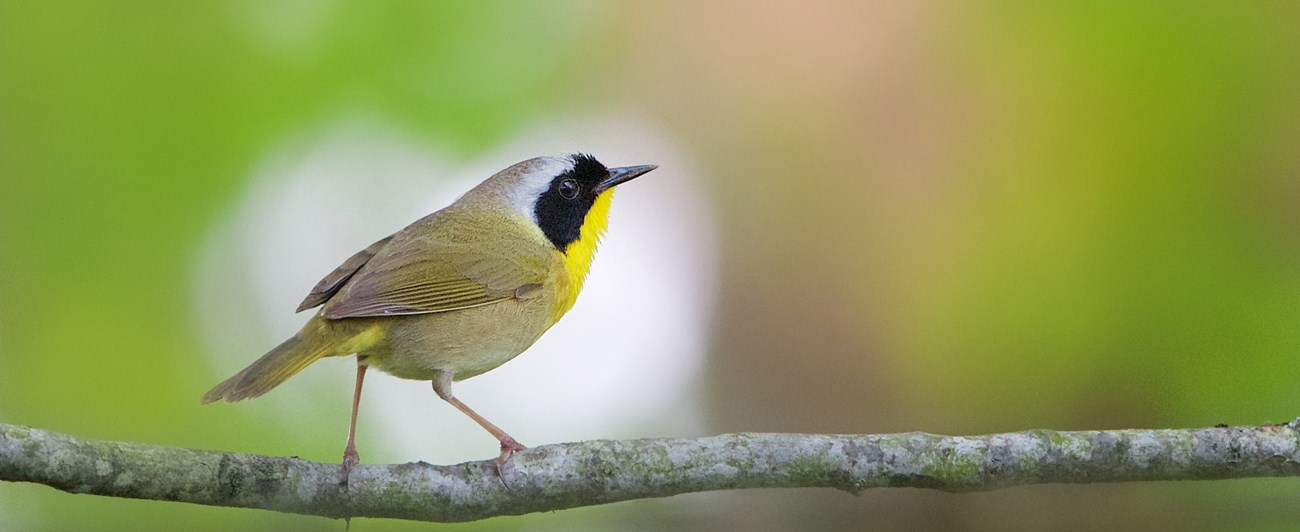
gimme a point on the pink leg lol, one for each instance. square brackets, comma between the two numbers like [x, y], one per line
[350, 456]
[442, 386]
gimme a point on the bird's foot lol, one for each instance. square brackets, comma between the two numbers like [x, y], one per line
[350, 460]
[508, 449]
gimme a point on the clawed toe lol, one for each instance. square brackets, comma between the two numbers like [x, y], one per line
[350, 460]
[508, 449]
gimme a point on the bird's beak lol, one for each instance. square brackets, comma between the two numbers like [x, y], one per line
[623, 174]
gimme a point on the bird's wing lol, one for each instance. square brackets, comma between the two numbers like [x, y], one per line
[331, 284]
[423, 276]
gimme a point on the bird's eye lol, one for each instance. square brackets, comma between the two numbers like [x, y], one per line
[569, 189]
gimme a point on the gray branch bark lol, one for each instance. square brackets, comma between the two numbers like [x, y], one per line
[568, 475]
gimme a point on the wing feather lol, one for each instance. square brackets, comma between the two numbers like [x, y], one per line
[330, 285]
[418, 274]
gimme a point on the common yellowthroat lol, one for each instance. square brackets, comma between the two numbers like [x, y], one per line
[457, 293]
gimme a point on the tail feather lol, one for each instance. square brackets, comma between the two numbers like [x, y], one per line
[269, 371]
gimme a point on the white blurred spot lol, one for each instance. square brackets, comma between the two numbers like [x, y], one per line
[623, 363]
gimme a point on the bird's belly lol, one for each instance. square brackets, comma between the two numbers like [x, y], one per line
[464, 342]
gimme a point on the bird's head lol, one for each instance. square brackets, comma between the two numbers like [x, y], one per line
[566, 196]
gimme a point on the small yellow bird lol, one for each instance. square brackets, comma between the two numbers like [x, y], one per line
[457, 293]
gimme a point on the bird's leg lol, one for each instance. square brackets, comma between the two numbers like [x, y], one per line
[350, 456]
[442, 386]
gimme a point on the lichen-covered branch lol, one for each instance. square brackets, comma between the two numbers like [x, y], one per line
[568, 475]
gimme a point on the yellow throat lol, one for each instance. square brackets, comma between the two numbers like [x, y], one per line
[579, 253]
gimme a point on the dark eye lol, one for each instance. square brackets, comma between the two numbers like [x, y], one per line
[569, 189]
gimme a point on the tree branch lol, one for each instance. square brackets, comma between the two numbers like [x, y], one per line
[554, 477]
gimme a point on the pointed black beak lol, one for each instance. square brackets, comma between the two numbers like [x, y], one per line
[623, 174]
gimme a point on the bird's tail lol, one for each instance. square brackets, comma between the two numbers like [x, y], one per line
[272, 369]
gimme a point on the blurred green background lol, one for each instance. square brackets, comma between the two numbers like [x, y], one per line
[948, 217]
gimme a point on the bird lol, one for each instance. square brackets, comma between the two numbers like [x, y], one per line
[456, 293]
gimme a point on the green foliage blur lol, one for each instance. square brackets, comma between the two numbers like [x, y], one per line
[946, 217]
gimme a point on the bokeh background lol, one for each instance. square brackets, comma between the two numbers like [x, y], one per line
[953, 217]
